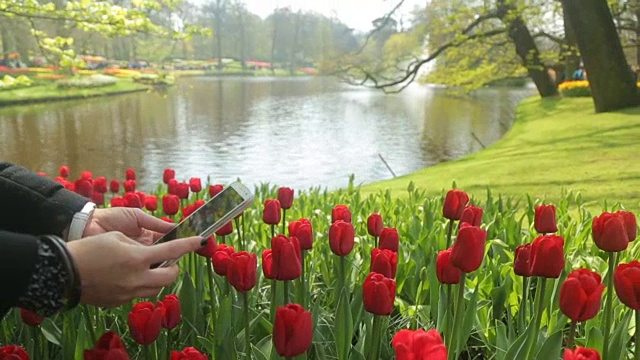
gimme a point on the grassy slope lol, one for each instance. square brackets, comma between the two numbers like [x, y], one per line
[51, 92]
[553, 145]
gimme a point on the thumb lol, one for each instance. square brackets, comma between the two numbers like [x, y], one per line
[173, 249]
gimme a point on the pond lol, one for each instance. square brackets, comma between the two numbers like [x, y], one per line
[296, 132]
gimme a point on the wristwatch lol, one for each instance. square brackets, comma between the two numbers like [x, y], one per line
[80, 221]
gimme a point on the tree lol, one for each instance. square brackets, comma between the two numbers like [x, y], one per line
[610, 78]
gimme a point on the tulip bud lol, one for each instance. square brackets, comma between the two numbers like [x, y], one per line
[626, 280]
[151, 202]
[130, 174]
[215, 189]
[547, 256]
[188, 353]
[341, 212]
[285, 196]
[581, 353]
[341, 238]
[545, 219]
[31, 318]
[109, 346]
[225, 230]
[454, 204]
[168, 174]
[195, 184]
[375, 224]
[446, 272]
[241, 271]
[609, 232]
[209, 249]
[303, 230]
[267, 264]
[384, 262]
[286, 256]
[472, 215]
[522, 261]
[170, 204]
[100, 185]
[114, 186]
[581, 294]
[292, 330]
[64, 171]
[468, 249]
[221, 259]
[419, 344]
[378, 294]
[129, 185]
[145, 322]
[171, 315]
[272, 212]
[389, 239]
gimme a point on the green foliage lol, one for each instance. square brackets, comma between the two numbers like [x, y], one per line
[9, 82]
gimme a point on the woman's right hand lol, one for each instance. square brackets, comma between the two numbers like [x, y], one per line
[115, 269]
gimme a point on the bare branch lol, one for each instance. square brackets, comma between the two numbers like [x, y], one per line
[383, 23]
[555, 39]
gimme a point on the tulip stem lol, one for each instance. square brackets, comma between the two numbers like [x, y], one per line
[274, 287]
[247, 339]
[449, 233]
[608, 307]
[572, 334]
[212, 294]
[302, 291]
[533, 338]
[87, 318]
[284, 217]
[286, 292]
[375, 241]
[522, 313]
[240, 243]
[375, 337]
[449, 317]
[636, 354]
[458, 318]
[169, 347]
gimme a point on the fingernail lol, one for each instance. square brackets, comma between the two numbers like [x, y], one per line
[204, 242]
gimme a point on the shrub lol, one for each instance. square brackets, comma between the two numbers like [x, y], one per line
[86, 82]
[9, 82]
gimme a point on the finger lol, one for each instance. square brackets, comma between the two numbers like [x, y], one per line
[147, 221]
[160, 277]
[125, 239]
[173, 249]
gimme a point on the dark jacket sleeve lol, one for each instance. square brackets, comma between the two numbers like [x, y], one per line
[18, 256]
[34, 204]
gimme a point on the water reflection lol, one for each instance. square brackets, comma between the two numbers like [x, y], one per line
[296, 132]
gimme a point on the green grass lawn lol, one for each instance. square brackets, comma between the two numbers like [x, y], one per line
[554, 145]
[50, 91]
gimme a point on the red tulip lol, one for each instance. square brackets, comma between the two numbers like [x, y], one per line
[341, 237]
[419, 344]
[375, 224]
[267, 264]
[13, 352]
[172, 186]
[610, 232]
[132, 200]
[445, 271]
[303, 230]
[97, 198]
[389, 239]
[170, 204]
[272, 213]
[114, 186]
[69, 186]
[188, 210]
[626, 280]
[221, 259]
[378, 294]
[188, 353]
[108, 347]
[117, 201]
[171, 315]
[151, 202]
[241, 271]
[168, 175]
[64, 171]
[341, 212]
[522, 261]
[581, 353]
[286, 256]
[31, 318]
[545, 219]
[468, 249]
[215, 189]
[130, 174]
[581, 294]
[472, 215]
[142, 196]
[225, 230]
[83, 187]
[129, 185]
[182, 190]
[169, 220]
[454, 204]
[86, 175]
[195, 184]
[285, 196]
[100, 185]
[209, 249]
[145, 322]
[384, 262]
[630, 224]
[547, 256]
[292, 330]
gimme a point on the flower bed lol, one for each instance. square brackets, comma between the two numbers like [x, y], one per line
[9, 82]
[351, 277]
[85, 82]
[576, 88]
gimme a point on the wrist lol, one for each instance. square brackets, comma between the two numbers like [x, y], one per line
[72, 289]
[79, 222]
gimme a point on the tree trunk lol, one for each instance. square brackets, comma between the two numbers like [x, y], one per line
[526, 48]
[5, 37]
[570, 52]
[610, 78]
[294, 44]
[218, 34]
[243, 41]
[273, 41]
[638, 33]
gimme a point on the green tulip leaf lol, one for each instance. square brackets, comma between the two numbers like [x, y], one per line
[343, 327]
[551, 347]
[617, 348]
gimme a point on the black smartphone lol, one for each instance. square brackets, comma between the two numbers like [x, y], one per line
[211, 216]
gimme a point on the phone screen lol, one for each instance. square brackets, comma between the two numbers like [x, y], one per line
[207, 215]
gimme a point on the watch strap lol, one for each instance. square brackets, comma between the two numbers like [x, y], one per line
[80, 221]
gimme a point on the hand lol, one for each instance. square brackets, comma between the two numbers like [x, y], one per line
[115, 269]
[134, 223]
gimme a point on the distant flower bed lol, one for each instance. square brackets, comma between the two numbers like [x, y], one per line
[122, 73]
[9, 82]
[84, 82]
[45, 76]
[576, 88]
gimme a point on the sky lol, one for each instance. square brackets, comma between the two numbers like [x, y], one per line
[357, 14]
